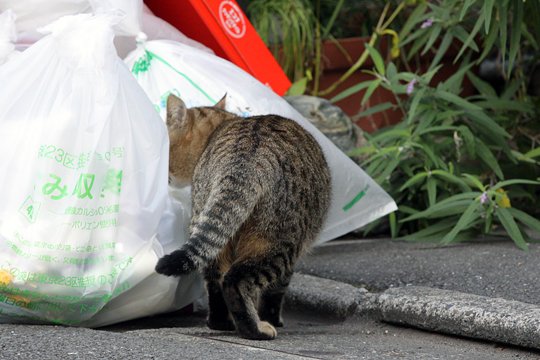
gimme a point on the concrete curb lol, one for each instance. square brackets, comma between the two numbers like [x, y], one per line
[326, 297]
[457, 313]
[437, 310]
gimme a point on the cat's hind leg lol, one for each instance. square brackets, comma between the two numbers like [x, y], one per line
[263, 277]
[219, 317]
[241, 289]
[271, 301]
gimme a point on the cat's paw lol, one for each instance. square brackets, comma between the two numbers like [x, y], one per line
[221, 324]
[265, 331]
[176, 263]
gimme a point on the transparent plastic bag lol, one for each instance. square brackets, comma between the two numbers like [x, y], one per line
[33, 14]
[201, 79]
[86, 210]
[8, 35]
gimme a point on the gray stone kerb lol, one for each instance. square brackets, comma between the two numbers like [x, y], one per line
[445, 311]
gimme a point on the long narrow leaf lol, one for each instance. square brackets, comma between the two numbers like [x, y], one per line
[526, 219]
[474, 180]
[375, 109]
[441, 226]
[488, 9]
[533, 153]
[472, 35]
[459, 101]
[417, 97]
[431, 185]
[482, 86]
[509, 224]
[452, 178]
[443, 47]
[442, 207]
[515, 37]
[487, 156]
[501, 184]
[470, 214]
[414, 180]
[377, 59]
[370, 89]
[351, 91]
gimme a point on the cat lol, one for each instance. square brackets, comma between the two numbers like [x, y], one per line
[260, 194]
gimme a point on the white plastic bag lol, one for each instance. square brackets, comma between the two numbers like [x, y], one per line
[201, 79]
[85, 210]
[33, 14]
[8, 35]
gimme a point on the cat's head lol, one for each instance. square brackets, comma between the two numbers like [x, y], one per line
[189, 131]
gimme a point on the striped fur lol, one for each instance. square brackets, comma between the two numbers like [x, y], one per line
[260, 193]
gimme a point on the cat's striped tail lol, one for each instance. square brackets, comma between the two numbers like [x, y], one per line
[224, 212]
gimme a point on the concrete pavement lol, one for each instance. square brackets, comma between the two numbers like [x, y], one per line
[360, 299]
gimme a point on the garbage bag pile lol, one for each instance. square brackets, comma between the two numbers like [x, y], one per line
[86, 206]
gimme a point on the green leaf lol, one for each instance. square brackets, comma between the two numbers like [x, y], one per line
[393, 224]
[511, 89]
[453, 179]
[525, 218]
[298, 87]
[457, 100]
[414, 180]
[506, 105]
[414, 18]
[488, 9]
[375, 109]
[369, 91]
[417, 97]
[501, 184]
[351, 91]
[436, 129]
[509, 224]
[475, 181]
[503, 26]
[482, 86]
[377, 59]
[515, 37]
[469, 140]
[533, 153]
[391, 71]
[434, 35]
[464, 8]
[487, 156]
[489, 41]
[472, 35]
[443, 47]
[487, 124]
[437, 228]
[460, 33]
[452, 205]
[391, 133]
[431, 186]
[470, 214]
[333, 17]
[388, 170]
[453, 83]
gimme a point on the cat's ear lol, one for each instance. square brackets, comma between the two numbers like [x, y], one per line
[222, 103]
[176, 111]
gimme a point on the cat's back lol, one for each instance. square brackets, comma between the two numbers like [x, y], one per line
[271, 143]
[277, 157]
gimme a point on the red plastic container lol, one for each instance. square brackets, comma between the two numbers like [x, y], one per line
[222, 26]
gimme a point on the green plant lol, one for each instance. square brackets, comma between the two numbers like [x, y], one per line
[453, 163]
[295, 29]
[288, 29]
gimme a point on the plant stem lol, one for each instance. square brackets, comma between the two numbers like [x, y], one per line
[381, 26]
[318, 43]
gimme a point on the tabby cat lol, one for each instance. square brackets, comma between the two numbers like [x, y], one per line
[260, 194]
